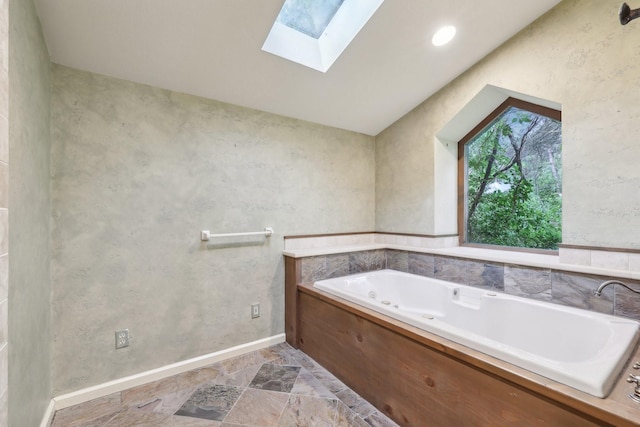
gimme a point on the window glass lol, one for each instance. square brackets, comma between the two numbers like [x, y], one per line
[310, 17]
[513, 179]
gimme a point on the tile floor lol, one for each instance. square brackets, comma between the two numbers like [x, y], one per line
[274, 387]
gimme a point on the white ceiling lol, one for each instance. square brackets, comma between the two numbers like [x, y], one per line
[212, 48]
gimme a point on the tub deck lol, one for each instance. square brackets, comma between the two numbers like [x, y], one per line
[579, 348]
[417, 377]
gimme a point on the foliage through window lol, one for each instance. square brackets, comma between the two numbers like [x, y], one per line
[513, 178]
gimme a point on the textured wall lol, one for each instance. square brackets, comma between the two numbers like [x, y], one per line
[404, 175]
[29, 216]
[137, 173]
[4, 199]
[578, 55]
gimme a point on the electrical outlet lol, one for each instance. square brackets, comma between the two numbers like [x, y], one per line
[255, 311]
[122, 338]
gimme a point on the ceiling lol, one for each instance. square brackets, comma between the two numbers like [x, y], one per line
[212, 48]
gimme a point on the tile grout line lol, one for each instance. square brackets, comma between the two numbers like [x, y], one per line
[222, 421]
[289, 393]
[286, 404]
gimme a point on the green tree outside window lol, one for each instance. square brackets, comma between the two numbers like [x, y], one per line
[514, 181]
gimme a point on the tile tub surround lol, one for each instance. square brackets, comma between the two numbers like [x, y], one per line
[557, 286]
[277, 386]
[597, 257]
[616, 262]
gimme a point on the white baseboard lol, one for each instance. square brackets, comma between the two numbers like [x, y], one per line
[48, 414]
[100, 390]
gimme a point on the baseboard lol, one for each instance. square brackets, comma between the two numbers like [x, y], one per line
[100, 390]
[48, 414]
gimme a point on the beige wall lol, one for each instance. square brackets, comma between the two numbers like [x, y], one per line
[577, 55]
[4, 193]
[29, 216]
[137, 173]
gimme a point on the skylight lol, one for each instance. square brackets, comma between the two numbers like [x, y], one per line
[315, 33]
[310, 18]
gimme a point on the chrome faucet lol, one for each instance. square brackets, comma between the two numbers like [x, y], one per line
[598, 291]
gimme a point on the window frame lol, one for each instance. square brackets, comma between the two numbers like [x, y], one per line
[462, 169]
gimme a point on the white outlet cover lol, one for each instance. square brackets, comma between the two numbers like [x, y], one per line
[122, 338]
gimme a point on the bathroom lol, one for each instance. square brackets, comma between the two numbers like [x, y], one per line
[112, 181]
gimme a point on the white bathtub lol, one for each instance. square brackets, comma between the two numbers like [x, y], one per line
[579, 348]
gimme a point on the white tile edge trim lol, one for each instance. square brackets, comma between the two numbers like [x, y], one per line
[101, 390]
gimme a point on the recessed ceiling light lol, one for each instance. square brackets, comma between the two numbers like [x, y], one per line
[444, 35]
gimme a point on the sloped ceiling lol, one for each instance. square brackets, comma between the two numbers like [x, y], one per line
[212, 48]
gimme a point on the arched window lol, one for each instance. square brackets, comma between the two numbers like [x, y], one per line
[510, 178]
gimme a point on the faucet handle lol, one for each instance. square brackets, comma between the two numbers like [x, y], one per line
[635, 394]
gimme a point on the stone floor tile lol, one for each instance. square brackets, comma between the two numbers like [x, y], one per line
[171, 403]
[199, 376]
[180, 421]
[356, 403]
[107, 406]
[305, 361]
[258, 408]
[304, 397]
[211, 402]
[104, 420]
[308, 411]
[309, 385]
[240, 378]
[328, 379]
[242, 362]
[133, 417]
[345, 417]
[275, 378]
[378, 419]
[280, 355]
[150, 406]
[146, 393]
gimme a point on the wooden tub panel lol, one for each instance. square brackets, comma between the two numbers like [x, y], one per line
[416, 385]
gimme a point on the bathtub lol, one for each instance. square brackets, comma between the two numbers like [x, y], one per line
[579, 348]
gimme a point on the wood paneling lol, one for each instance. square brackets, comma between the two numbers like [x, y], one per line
[292, 275]
[413, 384]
